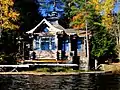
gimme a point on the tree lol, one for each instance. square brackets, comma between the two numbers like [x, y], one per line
[102, 44]
[8, 15]
[107, 18]
[80, 12]
[118, 40]
[116, 31]
[66, 17]
[29, 16]
[8, 47]
[105, 8]
[8, 24]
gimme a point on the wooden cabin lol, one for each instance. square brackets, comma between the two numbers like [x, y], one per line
[53, 42]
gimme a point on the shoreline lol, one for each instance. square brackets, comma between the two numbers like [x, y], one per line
[54, 73]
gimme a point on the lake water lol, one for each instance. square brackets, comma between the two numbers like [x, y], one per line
[73, 82]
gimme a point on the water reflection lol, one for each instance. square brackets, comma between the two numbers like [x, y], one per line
[77, 82]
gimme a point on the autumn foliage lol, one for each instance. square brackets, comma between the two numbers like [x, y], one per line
[8, 15]
[80, 24]
[102, 7]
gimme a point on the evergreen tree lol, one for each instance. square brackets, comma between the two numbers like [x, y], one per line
[29, 16]
[102, 44]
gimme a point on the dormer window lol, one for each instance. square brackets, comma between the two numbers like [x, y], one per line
[45, 30]
[54, 14]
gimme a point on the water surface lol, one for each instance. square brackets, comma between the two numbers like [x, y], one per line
[73, 82]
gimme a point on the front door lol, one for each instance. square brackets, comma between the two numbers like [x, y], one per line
[63, 47]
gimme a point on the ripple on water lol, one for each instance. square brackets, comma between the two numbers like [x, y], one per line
[72, 82]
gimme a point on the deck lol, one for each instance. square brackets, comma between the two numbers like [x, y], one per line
[43, 61]
[15, 67]
[34, 63]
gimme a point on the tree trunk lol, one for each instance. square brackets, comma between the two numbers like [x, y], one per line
[119, 28]
[119, 44]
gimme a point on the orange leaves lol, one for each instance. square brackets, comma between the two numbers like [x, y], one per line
[78, 21]
[79, 15]
[79, 26]
[13, 15]
[82, 12]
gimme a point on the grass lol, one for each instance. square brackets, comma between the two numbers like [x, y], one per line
[56, 69]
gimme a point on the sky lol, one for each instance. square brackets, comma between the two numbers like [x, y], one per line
[50, 7]
[117, 7]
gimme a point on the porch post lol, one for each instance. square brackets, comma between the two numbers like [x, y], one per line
[84, 50]
[39, 42]
[56, 43]
[82, 62]
[50, 47]
[33, 45]
[39, 45]
[69, 46]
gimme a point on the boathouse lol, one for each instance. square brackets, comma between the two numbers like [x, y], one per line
[50, 41]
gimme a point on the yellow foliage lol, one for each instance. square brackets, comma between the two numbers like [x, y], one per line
[106, 7]
[96, 5]
[103, 7]
[7, 14]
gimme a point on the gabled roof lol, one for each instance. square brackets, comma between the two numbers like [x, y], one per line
[54, 27]
[51, 28]
[80, 33]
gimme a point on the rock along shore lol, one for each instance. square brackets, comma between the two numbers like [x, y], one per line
[113, 67]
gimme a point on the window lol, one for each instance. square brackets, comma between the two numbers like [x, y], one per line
[45, 30]
[37, 45]
[53, 45]
[65, 46]
[79, 44]
[44, 45]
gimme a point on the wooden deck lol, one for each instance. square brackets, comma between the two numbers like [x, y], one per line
[62, 65]
[43, 61]
[15, 67]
